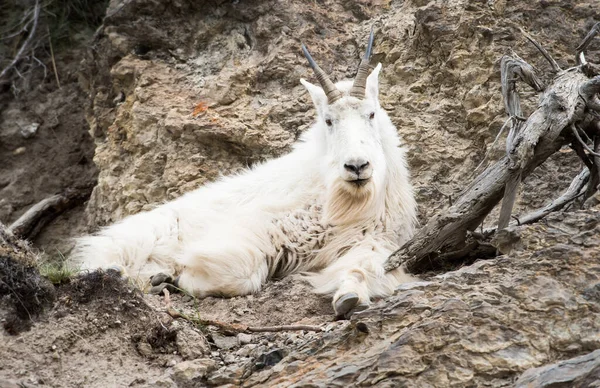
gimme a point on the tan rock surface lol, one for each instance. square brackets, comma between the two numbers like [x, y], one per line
[184, 94]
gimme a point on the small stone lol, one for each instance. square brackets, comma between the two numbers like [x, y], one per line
[229, 359]
[223, 342]
[29, 130]
[269, 358]
[230, 374]
[190, 373]
[162, 382]
[19, 151]
[144, 349]
[244, 338]
[191, 344]
[243, 352]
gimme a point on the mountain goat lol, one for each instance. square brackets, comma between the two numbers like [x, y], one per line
[334, 208]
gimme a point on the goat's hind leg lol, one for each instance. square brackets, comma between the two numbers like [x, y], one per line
[222, 268]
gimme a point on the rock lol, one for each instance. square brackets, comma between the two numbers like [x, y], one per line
[191, 373]
[443, 94]
[224, 342]
[229, 359]
[269, 358]
[231, 374]
[218, 91]
[243, 352]
[498, 317]
[244, 338]
[9, 384]
[29, 130]
[145, 349]
[578, 372]
[191, 344]
[162, 382]
[19, 151]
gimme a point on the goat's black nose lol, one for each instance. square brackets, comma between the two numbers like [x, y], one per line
[356, 167]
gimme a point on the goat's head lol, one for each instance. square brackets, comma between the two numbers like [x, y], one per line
[351, 120]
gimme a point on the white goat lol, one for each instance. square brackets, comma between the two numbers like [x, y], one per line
[335, 207]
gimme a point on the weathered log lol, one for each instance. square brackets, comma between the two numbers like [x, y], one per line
[567, 101]
[39, 215]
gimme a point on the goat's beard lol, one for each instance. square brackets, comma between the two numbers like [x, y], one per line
[348, 203]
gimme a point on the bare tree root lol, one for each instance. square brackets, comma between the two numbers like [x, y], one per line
[570, 101]
[39, 215]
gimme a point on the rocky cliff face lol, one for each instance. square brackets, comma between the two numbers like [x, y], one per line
[183, 92]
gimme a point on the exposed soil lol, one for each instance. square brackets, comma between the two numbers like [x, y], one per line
[45, 148]
[103, 332]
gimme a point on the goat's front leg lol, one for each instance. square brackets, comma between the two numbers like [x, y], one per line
[356, 277]
[352, 294]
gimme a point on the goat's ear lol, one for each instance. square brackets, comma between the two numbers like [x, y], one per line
[372, 89]
[317, 94]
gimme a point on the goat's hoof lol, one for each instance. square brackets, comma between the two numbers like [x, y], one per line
[159, 289]
[160, 278]
[345, 304]
[118, 269]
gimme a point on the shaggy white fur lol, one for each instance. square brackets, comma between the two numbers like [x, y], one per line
[305, 212]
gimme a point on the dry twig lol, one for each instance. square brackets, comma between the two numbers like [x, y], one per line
[53, 60]
[571, 194]
[583, 143]
[17, 58]
[239, 328]
[585, 43]
[543, 51]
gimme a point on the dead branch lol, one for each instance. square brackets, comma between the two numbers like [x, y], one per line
[39, 215]
[543, 51]
[588, 92]
[562, 103]
[511, 70]
[583, 143]
[17, 58]
[571, 194]
[594, 180]
[585, 43]
[508, 200]
[239, 328]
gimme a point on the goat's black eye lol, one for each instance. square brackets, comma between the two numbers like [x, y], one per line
[328, 122]
[372, 115]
